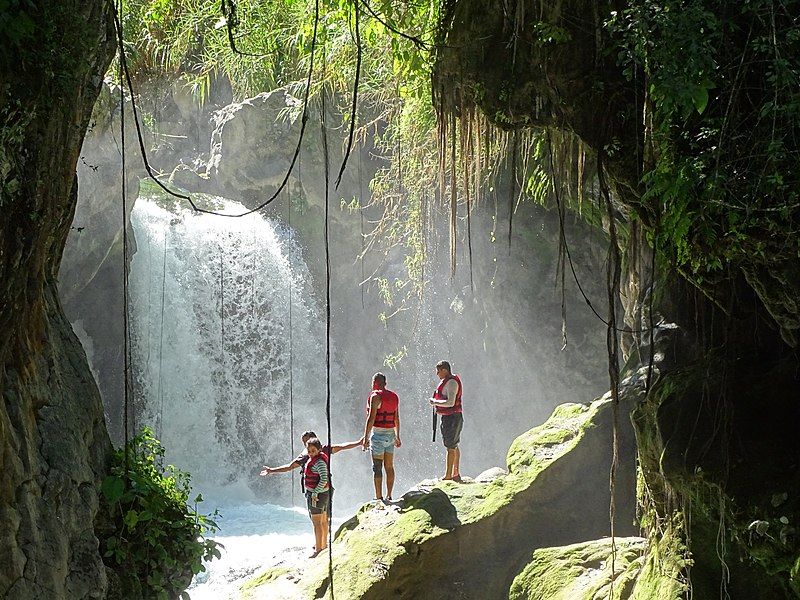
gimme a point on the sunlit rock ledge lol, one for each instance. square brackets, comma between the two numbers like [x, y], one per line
[522, 533]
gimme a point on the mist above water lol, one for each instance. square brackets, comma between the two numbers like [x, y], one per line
[229, 372]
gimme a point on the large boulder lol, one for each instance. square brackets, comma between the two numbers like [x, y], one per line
[446, 540]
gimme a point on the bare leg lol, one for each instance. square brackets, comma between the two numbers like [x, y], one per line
[456, 460]
[325, 526]
[319, 525]
[448, 465]
[388, 464]
[377, 477]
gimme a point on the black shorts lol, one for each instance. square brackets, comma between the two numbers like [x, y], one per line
[323, 501]
[451, 429]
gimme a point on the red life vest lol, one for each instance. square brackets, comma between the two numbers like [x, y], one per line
[310, 477]
[385, 416]
[438, 395]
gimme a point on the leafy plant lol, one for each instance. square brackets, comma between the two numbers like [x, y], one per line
[155, 541]
[723, 105]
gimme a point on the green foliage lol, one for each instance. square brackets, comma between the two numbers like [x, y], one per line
[189, 40]
[273, 41]
[548, 33]
[158, 541]
[16, 24]
[721, 85]
[676, 44]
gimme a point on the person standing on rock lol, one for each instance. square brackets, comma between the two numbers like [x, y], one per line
[382, 433]
[316, 476]
[319, 518]
[447, 402]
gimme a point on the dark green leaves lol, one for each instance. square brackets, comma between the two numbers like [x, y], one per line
[158, 540]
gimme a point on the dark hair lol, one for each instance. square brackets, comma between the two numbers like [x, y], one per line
[314, 442]
[307, 435]
[379, 377]
[443, 364]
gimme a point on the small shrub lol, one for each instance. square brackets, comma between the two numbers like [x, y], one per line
[155, 541]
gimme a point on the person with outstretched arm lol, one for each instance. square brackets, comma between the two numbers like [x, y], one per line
[318, 506]
[300, 459]
[382, 433]
[447, 402]
[316, 477]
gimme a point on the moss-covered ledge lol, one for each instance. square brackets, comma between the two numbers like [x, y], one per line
[581, 571]
[471, 540]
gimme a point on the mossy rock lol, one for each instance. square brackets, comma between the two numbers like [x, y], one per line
[582, 571]
[447, 540]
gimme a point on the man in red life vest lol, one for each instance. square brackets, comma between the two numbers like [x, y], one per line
[382, 433]
[447, 402]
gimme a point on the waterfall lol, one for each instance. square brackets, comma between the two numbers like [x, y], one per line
[227, 343]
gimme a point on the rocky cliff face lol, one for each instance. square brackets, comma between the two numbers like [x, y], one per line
[55, 456]
[53, 445]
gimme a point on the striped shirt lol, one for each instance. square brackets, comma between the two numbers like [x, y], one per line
[320, 468]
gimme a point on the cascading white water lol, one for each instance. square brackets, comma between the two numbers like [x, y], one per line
[221, 359]
[227, 361]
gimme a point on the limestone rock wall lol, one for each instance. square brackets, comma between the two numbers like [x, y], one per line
[53, 444]
[55, 454]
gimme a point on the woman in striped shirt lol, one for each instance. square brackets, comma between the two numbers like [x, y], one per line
[318, 492]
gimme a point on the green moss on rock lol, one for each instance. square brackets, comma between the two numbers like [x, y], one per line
[263, 578]
[582, 571]
[493, 524]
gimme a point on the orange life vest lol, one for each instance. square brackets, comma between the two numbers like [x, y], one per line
[438, 395]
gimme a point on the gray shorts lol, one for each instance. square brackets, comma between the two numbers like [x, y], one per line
[323, 499]
[450, 427]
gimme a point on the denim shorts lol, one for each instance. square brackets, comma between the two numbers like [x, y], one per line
[381, 441]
